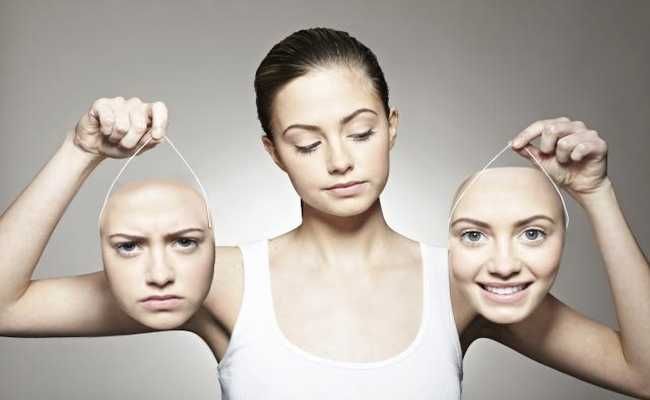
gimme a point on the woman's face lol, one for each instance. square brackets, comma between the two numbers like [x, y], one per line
[158, 252]
[330, 129]
[505, 242]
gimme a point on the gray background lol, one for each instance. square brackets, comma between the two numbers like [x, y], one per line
[466, 76]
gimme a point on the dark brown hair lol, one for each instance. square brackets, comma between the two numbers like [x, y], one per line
[304, 51]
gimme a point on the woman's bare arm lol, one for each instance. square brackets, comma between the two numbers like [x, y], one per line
[70, 306]
[566, 340]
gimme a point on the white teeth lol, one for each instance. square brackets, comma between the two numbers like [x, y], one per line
[504, 290]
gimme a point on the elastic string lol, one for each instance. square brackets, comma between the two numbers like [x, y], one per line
[539, 164]
[196, 178]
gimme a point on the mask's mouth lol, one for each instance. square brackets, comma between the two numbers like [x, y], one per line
[505, 290]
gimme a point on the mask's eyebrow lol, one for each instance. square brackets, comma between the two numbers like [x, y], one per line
[343, 121]
[127, 236]
[471, 221]
[183, 231]
[522, 222]
[534, 217]
[167, 236]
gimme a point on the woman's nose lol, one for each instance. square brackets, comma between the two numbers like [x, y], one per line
[505, 264]
[159, 272]
[340, 161]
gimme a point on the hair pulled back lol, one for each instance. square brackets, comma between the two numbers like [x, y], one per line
[304, 51]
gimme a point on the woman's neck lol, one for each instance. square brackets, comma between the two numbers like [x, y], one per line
[348, 243]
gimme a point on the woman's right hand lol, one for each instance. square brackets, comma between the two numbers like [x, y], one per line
[116, 127]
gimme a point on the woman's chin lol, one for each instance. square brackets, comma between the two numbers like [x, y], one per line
[346, 208]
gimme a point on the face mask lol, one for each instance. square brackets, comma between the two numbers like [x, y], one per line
[508, 146]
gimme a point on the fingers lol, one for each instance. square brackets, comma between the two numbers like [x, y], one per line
[562, 138]
[138, 126]
[117, 126]
[533, 131]
[567, 145]
[159, 120]
[556, 130]
[122, 124]
[102, 113]
[596, 149]
[136, 122]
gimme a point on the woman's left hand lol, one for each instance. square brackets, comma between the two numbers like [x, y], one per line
[571, 153]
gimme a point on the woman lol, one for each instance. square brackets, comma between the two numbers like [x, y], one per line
[342, 306]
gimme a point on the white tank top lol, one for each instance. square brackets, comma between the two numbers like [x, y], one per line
[261, 363]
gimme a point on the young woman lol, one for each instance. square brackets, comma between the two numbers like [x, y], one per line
[342, 306]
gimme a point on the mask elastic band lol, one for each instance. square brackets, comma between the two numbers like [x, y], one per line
[168, 140]
[566, 212]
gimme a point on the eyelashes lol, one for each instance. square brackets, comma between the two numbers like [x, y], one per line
[359, 137]
[133, 247]
[473, 237]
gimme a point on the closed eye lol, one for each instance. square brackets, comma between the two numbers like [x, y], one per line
[359, 137]
[307, 149]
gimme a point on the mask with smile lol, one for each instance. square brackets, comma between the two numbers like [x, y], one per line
[506, 237]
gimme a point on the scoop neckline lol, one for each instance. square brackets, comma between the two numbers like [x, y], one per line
[424, 320]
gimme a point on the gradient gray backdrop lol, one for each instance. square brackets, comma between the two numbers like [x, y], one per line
[465, 75]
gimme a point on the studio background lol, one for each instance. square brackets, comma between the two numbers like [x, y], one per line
[465, 75]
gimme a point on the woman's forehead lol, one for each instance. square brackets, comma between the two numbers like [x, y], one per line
[325, 94]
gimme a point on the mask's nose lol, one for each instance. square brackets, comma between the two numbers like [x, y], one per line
[504, 264]
[159, 272]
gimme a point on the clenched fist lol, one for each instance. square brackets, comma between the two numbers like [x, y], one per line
[116, 127]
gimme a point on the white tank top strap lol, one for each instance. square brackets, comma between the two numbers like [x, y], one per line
[441, 298]
[253, 318]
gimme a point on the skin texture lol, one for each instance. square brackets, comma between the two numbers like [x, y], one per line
[155, 241]
[488, 244]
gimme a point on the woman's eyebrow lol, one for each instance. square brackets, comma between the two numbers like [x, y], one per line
[343, 121]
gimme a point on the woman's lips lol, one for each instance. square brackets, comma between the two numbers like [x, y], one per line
[161, 303]
[347, 189]
[505, 293]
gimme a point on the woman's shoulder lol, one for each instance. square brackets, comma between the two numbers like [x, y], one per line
[227, 256]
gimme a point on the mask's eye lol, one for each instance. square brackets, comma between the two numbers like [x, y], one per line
[187, 243]
[127, 248]
[533, 235]
[472, 237]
